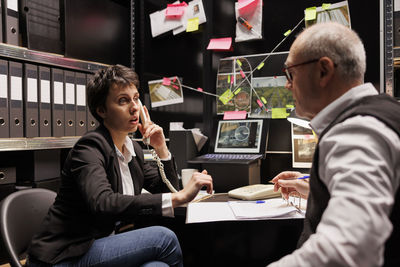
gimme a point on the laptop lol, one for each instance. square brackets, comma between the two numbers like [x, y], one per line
[237, 141]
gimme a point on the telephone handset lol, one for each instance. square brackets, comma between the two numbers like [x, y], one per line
[143, 119]
[254, 192]
[146, 141]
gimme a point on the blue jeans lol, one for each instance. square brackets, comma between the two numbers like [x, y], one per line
[151, 246]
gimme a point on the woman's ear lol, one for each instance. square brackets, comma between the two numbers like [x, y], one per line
[101, 112]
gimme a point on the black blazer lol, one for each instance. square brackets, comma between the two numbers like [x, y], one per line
[90, 199]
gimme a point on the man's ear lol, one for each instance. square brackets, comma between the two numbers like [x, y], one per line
[327, 70]
[101, 112]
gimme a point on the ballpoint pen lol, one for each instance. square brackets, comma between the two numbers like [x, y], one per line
[298, 178]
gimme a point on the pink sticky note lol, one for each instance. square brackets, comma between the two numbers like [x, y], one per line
[200, 89]
[166, 81]
[242, 73]
[247, 6]
[176, 87]
[232, 79]
[259, 103]
[175, 10]
[220, 44]
[235, 115]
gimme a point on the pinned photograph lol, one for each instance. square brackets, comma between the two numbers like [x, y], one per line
[165, 91]
[303, 146]
[338, 12]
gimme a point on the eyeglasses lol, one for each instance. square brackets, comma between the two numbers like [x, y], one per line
[289, 75]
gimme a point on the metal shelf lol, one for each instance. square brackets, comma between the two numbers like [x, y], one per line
[37, 143]
[24, 54]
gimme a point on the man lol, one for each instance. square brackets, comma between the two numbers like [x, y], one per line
[353, 209]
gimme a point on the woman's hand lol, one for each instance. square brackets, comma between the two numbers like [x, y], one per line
[287, 181]
[192, 188]
[151, 130]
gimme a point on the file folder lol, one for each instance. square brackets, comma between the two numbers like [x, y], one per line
[57, 103]
[31, 107]
[44, 102]
[69, 90]
[80, 125]
[16, 108]
[92, 122]
[1, 22]
[4, 112]
[11, 22]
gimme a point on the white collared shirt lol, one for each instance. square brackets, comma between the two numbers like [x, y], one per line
[359, 164]
[126, 177]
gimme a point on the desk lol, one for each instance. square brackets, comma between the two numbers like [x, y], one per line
[234, 243]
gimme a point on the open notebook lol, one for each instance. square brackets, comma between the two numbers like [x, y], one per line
[237, 141]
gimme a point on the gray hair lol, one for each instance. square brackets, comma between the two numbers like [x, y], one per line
[337, 42]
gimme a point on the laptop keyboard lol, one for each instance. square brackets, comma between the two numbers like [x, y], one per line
[231, 156]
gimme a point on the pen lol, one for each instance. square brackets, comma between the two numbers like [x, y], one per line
[298, 178]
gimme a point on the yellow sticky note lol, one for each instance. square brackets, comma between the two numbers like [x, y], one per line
[238, 62]
[192, 24]
[264, 100]
[326, 6]
[279, 113]
[237, 91]
[225, 97]
[310, 13]
[289, 106]
[260, 66]
[229, 78]
[287, 33]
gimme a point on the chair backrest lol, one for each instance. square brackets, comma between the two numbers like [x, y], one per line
[21, 214]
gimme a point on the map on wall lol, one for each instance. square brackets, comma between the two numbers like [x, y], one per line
[254, 84]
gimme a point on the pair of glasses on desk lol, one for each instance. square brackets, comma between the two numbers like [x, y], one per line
[294, 200]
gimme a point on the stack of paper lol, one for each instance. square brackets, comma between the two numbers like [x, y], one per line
[265, 209]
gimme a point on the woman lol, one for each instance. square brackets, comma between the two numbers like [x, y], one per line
[101, 182]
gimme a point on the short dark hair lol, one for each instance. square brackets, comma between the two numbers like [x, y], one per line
[99, 86]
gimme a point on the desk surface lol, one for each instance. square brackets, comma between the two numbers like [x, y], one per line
[233, 243]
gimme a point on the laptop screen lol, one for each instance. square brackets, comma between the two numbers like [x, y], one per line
[239, 136]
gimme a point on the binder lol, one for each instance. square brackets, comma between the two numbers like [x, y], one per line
[1, 22]
[69, 93]
[16, 108]
[11, 22]
[31, 107]
[57, 103]
[91, 121]
[80, 125]
[44, 102]
[4, 112]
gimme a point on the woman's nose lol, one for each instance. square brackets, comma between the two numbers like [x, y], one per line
[133, 107]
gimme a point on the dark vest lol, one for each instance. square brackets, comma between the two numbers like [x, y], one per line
[387, 110]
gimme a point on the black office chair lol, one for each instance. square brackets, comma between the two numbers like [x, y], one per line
[21, 214]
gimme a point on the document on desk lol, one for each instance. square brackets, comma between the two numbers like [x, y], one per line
[264, 209]
[198, 212]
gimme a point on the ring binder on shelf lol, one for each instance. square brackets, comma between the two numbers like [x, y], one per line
[11, 22]
[57, 104]
[31, 108]
[16, 108]
[69, 90]
[4, 112]
[44, 102]
[81, 121]
[91, 121]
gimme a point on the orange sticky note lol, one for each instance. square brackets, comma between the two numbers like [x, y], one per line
[221, 44]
